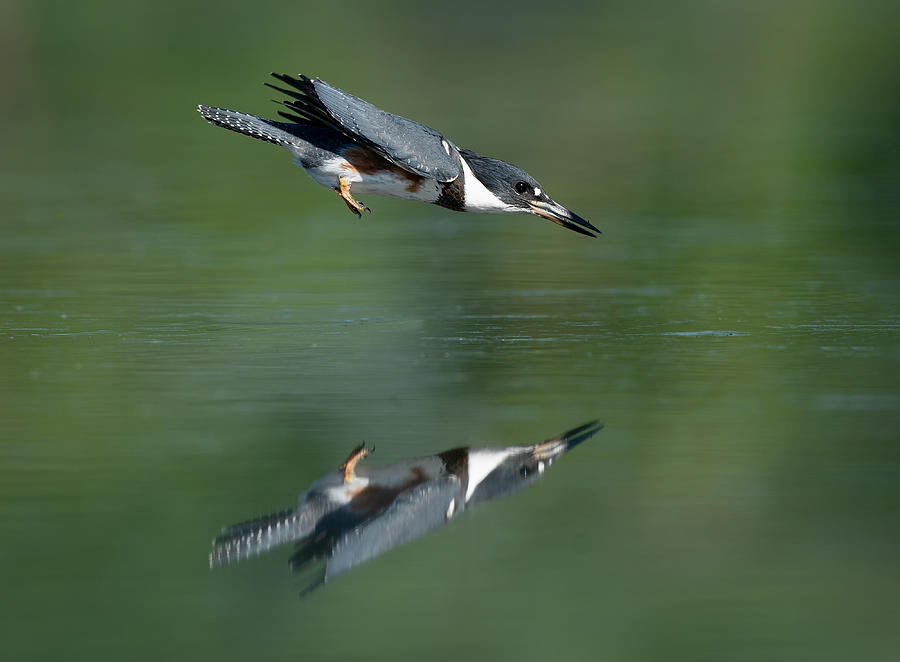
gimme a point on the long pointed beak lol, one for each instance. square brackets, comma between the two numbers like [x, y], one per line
[553, 448]
[553, 211]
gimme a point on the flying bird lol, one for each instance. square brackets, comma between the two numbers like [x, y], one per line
[354, 514]
[353, 147]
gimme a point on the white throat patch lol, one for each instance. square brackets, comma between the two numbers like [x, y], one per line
[481, 463]
[478, 197]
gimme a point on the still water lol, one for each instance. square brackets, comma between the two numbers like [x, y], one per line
[192, 331]
[743, 488]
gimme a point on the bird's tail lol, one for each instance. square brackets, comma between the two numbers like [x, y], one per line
[241, 541]
[250, 125]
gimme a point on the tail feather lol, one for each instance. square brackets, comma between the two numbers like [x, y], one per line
[241, 541]
[250, 125]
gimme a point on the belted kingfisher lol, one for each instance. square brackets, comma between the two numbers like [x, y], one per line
[354, 514]
[344, 142]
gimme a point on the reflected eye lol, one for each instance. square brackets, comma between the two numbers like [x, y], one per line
[522, 188]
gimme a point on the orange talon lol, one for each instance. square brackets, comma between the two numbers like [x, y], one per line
[353, 204]
[349, 465]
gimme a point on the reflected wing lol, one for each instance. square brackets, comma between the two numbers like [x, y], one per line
[410, 145]
[411, 515]
[424, 508]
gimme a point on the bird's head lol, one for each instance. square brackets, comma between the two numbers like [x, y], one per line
[511, 189]
[496, 471]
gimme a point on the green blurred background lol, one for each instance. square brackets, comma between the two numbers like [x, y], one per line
[191, 330]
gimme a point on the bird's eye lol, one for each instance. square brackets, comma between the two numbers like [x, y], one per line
[523, 471]
[522, 188]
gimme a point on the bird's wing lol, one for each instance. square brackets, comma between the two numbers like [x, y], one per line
[410, 145]
[414, 514]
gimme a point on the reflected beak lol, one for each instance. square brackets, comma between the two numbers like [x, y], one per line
[553, 448]
[555, 212]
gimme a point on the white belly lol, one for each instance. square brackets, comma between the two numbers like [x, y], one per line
[344, 493]
[394, 183]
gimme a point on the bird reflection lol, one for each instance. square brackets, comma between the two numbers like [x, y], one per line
[359, 512]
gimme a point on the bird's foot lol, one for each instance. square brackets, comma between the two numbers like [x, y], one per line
[349, 465]
[353, 204]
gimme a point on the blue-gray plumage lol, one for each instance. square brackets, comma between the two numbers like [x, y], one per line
[352, 515]
[411, 145]
[344, 142]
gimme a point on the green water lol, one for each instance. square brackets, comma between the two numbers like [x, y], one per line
[191, 331]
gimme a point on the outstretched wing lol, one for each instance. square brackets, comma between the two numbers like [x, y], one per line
[424, 508]
[410, 145]
[414, 513]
